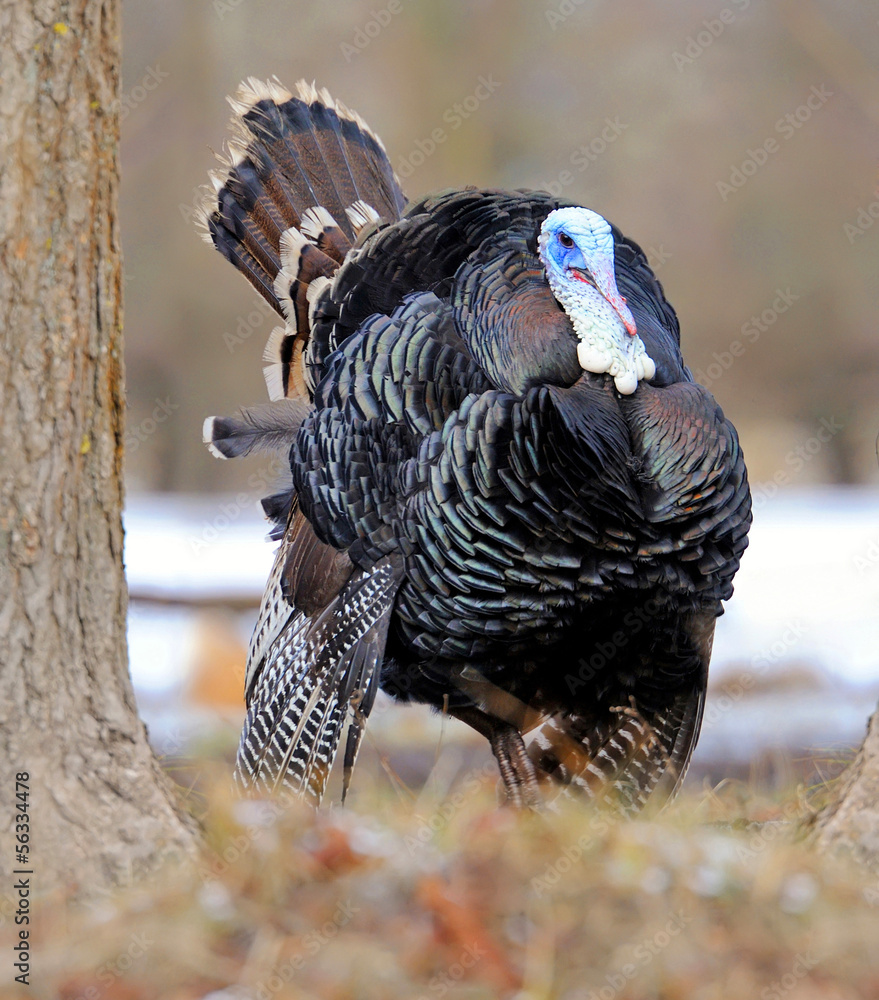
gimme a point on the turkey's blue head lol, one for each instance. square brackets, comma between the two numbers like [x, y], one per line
[576, 248]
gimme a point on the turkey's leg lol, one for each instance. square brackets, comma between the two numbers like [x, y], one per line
[516, 767]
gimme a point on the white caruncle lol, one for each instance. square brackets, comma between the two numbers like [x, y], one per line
[606, 345]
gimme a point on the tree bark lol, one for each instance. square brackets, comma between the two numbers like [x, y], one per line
[850, 820]
[101, 810]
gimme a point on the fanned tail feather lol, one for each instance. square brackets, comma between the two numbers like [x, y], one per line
[314, 674]
[304, 177]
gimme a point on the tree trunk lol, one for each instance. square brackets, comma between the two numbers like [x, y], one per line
[850, 821]
[101, 809]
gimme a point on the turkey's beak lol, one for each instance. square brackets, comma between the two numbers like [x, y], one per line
[606, 283]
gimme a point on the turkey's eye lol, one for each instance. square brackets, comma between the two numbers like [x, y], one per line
[565, 241]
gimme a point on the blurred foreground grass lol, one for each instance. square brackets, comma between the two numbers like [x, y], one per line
[447, 895]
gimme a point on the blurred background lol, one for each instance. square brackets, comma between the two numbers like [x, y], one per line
[737, 143]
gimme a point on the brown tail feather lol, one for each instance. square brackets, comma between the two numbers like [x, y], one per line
[304, 177]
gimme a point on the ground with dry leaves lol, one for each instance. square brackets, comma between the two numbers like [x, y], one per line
[447, 895]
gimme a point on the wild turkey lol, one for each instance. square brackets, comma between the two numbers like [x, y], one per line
[509, 498]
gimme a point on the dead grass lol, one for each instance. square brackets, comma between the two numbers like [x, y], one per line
[450, 896]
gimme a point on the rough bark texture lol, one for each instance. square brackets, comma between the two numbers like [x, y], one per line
[101, 809]
[850, 821]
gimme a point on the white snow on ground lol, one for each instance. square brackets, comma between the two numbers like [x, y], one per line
[192, 547]
[808, 588]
